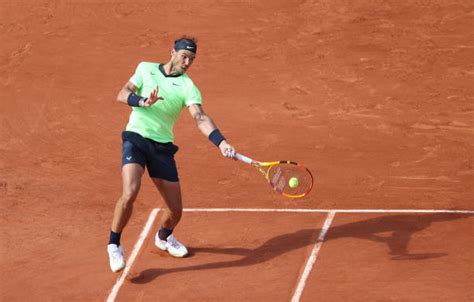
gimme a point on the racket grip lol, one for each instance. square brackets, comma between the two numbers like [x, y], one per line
[244, 158]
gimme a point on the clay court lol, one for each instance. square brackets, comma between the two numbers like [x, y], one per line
[376, 98]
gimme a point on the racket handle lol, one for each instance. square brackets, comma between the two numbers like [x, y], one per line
[244, 159]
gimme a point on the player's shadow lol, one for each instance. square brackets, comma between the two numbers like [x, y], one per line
[393, 230]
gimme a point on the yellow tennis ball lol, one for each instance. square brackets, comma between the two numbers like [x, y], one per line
[293, 182]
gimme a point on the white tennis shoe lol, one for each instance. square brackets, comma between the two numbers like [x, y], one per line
[172, 245]
[116, 257]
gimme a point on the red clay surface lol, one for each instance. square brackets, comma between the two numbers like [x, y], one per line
[248, 264]
[376, 98]
[399, 257]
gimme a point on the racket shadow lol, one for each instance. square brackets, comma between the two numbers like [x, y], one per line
[395, 231]
[400, 227]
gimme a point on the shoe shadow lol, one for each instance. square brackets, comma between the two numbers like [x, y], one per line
[224, 251]
[401, 228]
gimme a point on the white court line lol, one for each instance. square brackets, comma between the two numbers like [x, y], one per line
[328, 210]
[133, 255]
[312, 258]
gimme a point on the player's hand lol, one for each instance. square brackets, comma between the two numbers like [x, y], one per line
[227, 149]
[153, 98]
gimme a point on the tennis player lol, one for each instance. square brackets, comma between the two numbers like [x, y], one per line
[157, 94]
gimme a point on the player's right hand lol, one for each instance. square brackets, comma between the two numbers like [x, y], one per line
[153, 98]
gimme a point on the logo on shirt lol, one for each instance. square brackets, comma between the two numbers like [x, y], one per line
[174, 84]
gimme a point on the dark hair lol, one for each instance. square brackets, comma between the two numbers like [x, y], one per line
[186, 43]
[186, 37]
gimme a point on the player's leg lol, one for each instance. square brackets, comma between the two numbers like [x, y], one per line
[131, 178]
[164, 174]
[171, 193]
[131, 181]
[133, 163]
[133, 167]
[172, 212]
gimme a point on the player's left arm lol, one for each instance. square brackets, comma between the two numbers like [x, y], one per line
[207, 126]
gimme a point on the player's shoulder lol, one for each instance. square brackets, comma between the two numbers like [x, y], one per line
[147, 65]
[186, 79]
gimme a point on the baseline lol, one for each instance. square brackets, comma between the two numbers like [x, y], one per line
[328, 210]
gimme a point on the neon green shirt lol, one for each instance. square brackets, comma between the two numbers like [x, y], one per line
[157, 121]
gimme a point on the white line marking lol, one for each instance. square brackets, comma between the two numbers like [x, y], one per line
[404, 211]
[329, 210]
[133, 255]
[313, 257]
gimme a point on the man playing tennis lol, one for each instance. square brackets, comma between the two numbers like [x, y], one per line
[157, 94]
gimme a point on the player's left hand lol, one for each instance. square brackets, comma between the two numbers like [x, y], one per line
[153, 98]
[227, 149]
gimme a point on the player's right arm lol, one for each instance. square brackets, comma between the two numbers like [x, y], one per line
[130, 88]
[123, 94]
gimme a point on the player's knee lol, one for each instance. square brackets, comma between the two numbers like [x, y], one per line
[128, 197]
[126, 203]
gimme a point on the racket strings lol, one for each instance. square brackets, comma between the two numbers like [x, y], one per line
[279, 178]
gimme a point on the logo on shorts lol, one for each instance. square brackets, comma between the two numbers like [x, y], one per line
[128, 157]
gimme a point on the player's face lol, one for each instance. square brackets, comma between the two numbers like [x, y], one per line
[182, 60]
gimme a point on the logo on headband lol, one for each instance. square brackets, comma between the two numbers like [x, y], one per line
[186, 45]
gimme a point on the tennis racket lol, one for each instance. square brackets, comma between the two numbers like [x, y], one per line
[285, 177]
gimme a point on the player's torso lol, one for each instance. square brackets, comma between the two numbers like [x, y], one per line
[156, 122]
[172, 89]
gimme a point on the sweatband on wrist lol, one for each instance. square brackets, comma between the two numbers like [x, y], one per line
[216, 137]
[134, 100]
